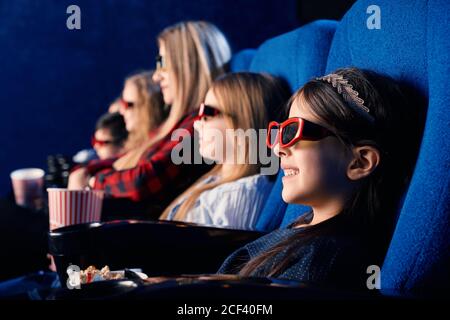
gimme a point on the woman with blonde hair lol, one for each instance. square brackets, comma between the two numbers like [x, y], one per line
[233, 193]
[142, 107]
[191, 55]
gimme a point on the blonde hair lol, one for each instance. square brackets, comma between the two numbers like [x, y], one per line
[150, 109]
[244, 98]
[196, 53]
[149, 106]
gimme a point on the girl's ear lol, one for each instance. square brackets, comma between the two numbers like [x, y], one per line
[365, 161]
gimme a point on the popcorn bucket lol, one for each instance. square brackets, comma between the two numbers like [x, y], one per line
[67, 207]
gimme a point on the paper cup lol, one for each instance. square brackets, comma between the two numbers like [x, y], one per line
[28, 187]
[67, 207]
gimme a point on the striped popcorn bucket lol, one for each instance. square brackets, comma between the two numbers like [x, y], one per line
[67, 207]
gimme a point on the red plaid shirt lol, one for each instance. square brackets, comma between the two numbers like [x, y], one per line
[94, 166]
[155, 177]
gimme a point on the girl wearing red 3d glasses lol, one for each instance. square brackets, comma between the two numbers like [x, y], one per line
[347, 151]
[234, 192]
[110, 136]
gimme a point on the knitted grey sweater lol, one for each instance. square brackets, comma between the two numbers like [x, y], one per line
[331, 260]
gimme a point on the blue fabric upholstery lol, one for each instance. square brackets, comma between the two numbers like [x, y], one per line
[412, 45]
[274, 209]
[242, 60]
[293, 211]
[296, 57]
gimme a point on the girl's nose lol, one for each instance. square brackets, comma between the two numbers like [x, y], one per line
[122, 109]
[197, 125]
[279, 152]
[157, 76]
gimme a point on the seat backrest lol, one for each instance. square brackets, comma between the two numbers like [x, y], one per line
[296, 57]
[412, 46]
[242, 60]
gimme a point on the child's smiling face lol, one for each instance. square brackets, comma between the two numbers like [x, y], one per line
[315, 171]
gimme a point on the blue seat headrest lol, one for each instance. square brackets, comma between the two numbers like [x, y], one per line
[296, 56]
[242, 60]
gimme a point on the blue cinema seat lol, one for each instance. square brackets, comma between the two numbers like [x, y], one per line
[296, 57]
[411, 46]
[242, 60]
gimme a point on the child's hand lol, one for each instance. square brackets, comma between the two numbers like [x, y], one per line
[52, 265]
[78, 179]
[92, 182]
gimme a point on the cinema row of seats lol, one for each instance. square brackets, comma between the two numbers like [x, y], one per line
[409, 47]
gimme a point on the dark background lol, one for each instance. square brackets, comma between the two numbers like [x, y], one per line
[56, 82]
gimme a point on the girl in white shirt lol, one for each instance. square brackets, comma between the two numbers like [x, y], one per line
[234, 192]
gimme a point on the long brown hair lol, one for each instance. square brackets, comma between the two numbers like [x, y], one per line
[245, 99]
[370, 212]
[151, 113]
[196, 53]
[149, 106]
